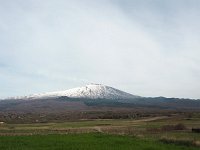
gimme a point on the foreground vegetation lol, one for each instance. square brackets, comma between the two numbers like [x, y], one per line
[156, 132]
[89, 141]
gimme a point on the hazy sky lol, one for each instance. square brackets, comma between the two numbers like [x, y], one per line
[145, 47]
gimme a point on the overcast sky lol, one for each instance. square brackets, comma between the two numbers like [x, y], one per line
[148, 48]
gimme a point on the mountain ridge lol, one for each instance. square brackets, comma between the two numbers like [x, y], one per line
[90, 91]
[92, 98]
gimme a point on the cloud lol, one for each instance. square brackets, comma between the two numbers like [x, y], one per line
[145, 48]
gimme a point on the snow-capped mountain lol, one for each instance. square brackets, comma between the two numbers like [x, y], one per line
[56, 102]
[91, 91]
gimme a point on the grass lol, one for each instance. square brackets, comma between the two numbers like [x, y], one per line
[64, 135]
[89, 141]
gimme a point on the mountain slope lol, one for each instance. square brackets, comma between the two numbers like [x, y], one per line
[91, 98]
[91, 91]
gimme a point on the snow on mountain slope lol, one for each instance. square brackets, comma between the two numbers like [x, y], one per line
[91, 91]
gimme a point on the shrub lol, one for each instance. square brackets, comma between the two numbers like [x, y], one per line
[196, 130]
[179, 126]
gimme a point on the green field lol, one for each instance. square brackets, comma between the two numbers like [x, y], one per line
[90, 141]
[149, 133]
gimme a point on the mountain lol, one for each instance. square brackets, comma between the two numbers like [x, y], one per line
[90, 101]
[91, 91]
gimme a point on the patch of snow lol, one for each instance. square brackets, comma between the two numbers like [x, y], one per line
[90, 91]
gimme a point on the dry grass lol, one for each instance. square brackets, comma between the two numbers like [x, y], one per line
[186, 142]
[167, 128]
